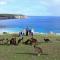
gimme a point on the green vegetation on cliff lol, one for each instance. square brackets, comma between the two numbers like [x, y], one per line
[9, 16]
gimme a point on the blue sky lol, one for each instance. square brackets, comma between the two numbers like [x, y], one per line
[31, 7]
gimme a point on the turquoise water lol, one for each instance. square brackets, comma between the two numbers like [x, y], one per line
[38, 23]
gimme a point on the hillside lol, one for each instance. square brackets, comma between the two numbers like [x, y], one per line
[11, 16]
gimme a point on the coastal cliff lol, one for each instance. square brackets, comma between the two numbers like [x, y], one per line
[12, 16]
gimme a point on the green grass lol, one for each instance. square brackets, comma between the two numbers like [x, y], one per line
[51, 50]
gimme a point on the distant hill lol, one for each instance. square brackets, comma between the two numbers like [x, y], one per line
[11, 16]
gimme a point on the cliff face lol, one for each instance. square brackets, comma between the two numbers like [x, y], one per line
[6, 16]
[11, 16]
[20, 17]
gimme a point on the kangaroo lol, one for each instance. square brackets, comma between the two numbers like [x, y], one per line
[20, 40]
[38, 50]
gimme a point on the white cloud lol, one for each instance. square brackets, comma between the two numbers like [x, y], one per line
[53, 6]
[50, 2]
[3, 2]
[56, 1]
[32, 7]
[44, 3]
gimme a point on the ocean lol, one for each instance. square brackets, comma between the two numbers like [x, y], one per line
[43, 24]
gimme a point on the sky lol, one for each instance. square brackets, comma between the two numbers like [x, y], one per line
[31, 7]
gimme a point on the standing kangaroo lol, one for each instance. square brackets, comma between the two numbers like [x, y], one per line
[38, 50]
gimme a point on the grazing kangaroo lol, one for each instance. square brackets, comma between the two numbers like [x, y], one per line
[33, 41]
[28, 42]
[2, 40]
[20, 40]
[13, 41]
[38, 50]
[46, 40]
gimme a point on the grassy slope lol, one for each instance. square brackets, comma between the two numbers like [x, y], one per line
[24, 52]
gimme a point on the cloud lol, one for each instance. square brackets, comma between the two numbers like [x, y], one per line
[44, 3]
[3, 2]
[56, 2]
[31, 7]
[53, 6]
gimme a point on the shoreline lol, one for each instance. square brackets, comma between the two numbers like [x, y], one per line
[35, 33]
